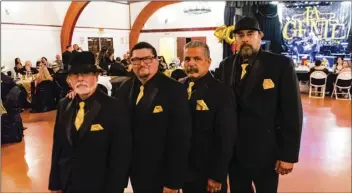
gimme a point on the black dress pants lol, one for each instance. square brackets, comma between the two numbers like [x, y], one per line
[265, 179]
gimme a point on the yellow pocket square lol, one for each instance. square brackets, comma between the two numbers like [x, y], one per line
[96, 127]
[158, 109]
[268, 84]
[201, 106]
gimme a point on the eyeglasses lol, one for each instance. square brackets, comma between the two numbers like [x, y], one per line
[146, 60]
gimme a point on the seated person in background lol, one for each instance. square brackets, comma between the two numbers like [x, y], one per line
[117, 68]
[346, 66]
[28, 68]
[163, 62]
[325, 62]
[18, 66]
[40, 63]
[42, 75]
[45, 62]
[338, 66]
[303, 66]
[7, 84]
[318, 67]
[126, 59]
[57, 65]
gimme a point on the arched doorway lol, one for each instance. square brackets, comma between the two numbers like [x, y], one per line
[76, 8]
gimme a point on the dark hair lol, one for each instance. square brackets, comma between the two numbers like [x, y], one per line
[44, 58]
[68, 47]
[37, 64]
[110, 51]
[118, 59]
[17, 62]
[317, 62]
[143, 45]
[162, 59]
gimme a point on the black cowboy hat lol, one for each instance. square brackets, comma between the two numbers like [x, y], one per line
[83, 62]
[246, 23]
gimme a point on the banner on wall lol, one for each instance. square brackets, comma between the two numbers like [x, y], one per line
[314, 28]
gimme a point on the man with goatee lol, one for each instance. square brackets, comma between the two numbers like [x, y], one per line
[269, 112]
[161, 124]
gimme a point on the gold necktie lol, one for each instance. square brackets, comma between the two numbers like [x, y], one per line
[189, 89]
[140, 95]
[243, 70]
[80, 116]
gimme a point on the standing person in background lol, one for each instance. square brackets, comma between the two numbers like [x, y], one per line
[269, 112]
[107, 59]
[66, 57]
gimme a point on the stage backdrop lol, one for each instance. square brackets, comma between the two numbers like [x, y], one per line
[316, 28]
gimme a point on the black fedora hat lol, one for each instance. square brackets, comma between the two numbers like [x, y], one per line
[246, 23]
[83, 62]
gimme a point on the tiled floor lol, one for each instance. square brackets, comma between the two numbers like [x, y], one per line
[324, 166]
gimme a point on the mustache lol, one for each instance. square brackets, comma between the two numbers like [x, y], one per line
[246, 46]
[192, 70]
[81, 84]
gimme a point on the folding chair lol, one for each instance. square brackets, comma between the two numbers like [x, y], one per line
[343, 81]
[317, 75]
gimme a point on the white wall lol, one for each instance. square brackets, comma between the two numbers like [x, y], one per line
[105, 14]
[40, 29]
[214, 46]
[176, 18]
[28, 43]
[136, 8]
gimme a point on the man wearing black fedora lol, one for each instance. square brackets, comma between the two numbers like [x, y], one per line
[91, 148]
[269, 112]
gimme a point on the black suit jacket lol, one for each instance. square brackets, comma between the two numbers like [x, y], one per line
[214, 130]
[270, 122]
[99, 160]
[161, 139]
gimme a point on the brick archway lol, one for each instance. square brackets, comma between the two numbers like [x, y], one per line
[76, 8]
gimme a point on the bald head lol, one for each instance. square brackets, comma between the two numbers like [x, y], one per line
[28, 63]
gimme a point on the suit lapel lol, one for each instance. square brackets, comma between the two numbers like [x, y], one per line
[233, 70]
[130, 100]
[200, 92]
[148, 99]
[88, 118]
[254, 76]
[67, 120]
[149, 95]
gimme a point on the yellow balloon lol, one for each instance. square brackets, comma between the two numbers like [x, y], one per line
[220, 32]
[227, 37]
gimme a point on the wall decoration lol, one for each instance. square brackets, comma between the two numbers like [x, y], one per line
[223, 33]
[308, 29]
